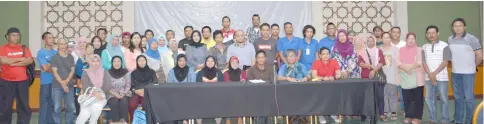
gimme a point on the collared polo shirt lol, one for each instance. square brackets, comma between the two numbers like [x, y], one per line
[327, 42]
[461, 52]
[284, 44]
[400, 44]
[266, 74]
[326, 70]
[309, 51]
[210, 43]
[433, 56]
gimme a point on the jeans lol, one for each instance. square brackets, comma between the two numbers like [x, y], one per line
[46, 104]
[430, 90]
[463, 86]
[58, 95]
[18, 90]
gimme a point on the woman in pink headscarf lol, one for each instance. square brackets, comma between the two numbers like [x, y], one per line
[96, 78]
[371, 60]
[411, 78]
[79, 48]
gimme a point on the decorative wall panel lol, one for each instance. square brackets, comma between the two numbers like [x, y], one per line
[71, 19]
[359, 16]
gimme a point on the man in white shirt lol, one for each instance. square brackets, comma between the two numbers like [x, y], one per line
[395, 33]
[437, 75]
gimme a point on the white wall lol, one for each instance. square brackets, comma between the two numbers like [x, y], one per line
[400, 17]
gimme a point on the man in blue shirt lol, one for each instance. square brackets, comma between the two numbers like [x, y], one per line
[292, 71]
[43, 57]
[329, 40]
[288, 42]
[309, 47]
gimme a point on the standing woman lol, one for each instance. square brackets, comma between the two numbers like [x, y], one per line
[390, 70]
[359, 45]
[118, 96]
[411, 79]
[344, 53]
[98, 79]
[210, 74]
[173, 49]
[134, 51]
[81, 65]
[154, 60]
[79, 48]
[371, 60]
[144, 41]
[165, 53]
[140, 77]
[113, 48]
[97, 43]
[181, 73]
[234, 73]
[196, 52]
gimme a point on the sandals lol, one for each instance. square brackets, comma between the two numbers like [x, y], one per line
[416, 121]
[383, 118]
[407, 120]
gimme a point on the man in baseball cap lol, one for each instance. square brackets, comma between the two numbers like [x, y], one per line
[14, 81]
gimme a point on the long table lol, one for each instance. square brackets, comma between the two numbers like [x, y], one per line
[169, 102]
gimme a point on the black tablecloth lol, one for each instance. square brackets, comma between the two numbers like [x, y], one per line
[168, 102]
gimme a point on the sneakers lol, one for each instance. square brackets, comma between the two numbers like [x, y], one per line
[335, 118]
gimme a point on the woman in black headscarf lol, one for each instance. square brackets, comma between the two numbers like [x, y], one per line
[181, 72]
[118, 96]
[140, 77]
[210, 73]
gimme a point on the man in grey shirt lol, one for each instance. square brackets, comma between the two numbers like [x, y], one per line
[465, 52]
[63, 84]
[242, 49]
[267, 44]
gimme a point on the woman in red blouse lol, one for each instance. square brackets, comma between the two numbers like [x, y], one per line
[371, 60]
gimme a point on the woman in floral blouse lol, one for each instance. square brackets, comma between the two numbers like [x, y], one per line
[118, 96]
[344, 53]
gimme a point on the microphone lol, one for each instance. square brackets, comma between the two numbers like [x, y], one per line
[274, 65]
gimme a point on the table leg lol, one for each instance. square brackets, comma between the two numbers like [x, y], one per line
[316, 119]
[275, 119]
[287, 119]
[340, 117]
[310, 119]
[243, 120]
[250, 120]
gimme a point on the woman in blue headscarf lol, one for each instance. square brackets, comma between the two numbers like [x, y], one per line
[165, 53]
[113, 48]
[154, 60]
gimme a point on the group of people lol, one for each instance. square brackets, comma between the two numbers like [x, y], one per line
[115, 68]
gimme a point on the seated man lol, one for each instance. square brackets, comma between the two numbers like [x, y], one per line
[293, 71]
[325, 69]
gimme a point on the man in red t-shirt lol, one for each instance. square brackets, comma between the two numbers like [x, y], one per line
[14, 82]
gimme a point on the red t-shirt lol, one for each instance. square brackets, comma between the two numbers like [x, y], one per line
[14, 73]
[326, 70]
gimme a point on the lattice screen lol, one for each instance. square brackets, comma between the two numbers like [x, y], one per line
[71, 19]
[358, 16]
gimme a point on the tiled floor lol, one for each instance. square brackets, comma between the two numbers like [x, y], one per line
[35, 117]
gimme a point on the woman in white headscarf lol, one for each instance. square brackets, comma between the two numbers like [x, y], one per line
[165, 53]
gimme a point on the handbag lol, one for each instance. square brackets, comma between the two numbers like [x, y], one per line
[86, 99]
[30, 68]
[379, 76]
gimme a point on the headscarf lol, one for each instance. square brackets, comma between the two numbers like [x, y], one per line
[344, 49]
[199, 43]
[81, 41]
[163, 49]
[142, 74]
[408, 53]
[208, 72]
[373, 52]
[96, 74]
[152, 53]
[100, 50]
[181, 73]
[234, 74]
[114, 50]
[117, 73]
[361, 45]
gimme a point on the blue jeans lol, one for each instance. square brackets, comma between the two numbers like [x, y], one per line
[46, 104]
[463, 86]
[58, 95]
[430, 90]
